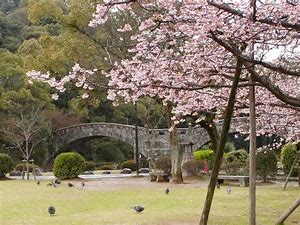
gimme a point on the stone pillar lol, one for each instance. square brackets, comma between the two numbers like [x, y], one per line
[187, 156]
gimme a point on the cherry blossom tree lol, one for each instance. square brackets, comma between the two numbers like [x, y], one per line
[198, 55]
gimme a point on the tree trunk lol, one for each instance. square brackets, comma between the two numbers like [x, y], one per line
[221, 145]
[288, 212]
[176, 157]
[208, 124]
[27, 168]
[176, 151]
[252, 161]
[27, 159]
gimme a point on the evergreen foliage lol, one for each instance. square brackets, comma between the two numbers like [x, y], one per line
[6, 164]
[68, 165]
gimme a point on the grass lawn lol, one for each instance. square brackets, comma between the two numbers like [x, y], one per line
[24, 202]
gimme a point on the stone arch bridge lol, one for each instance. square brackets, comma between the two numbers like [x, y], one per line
[153, 143]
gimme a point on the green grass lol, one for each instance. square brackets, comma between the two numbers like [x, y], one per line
[24, 202]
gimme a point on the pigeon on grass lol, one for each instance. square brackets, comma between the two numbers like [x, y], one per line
[51, 210]
[138, 208]
[167, 191]
[228, 190]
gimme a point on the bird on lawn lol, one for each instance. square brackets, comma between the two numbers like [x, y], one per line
[38, 182]
[51, 210]
[229, 190]
[82, 184]
[138, 208]
[57, 181]
[70, 185]
[167, 191]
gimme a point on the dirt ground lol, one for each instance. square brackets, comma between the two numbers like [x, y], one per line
[144, 183]
[140, 182]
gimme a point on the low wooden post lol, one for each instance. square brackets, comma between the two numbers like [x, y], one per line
[33, 168]
[23, 171]
[288, 212]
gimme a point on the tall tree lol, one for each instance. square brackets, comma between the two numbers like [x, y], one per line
[187, 51]
[25, 130]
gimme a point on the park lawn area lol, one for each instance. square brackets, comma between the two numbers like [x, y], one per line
[25, 202]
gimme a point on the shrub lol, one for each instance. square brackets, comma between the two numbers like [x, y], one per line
[164, 164]
[240, 156]
[6, 164]
[106, 167]
[236, 168]
[236, 162]
[287, 157]
[229, 147]
[68, 165]
[266, 163]
[205, 155]
[90, 165]
[20, 166]
[129, 164]
[193, 167]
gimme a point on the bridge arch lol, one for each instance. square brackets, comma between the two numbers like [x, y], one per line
[153, 143]
[126, 133]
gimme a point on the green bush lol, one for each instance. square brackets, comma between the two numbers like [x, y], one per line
[129, 164]
[68, 165]
[205, 155]
[236, 162]
[106, 167]
[20, 166]
[287, 157]
[164, 164]
[266, 163]
[90, 165]
[229, 146]
[193, 167]
[6, 164]
[240, 156]
[236, 168]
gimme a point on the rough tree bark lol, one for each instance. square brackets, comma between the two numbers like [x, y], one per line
[176, 151]
[221, 145]
[209, 125]
[252, 160]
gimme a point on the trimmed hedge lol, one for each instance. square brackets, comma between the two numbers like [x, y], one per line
[129, 164]
[266, 163]
[287, 157]
[68, 165]
[90, 165]
[6, 164]
[106, 167]
[240, 156]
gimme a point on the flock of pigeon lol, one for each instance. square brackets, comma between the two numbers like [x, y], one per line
[57, 182]
[136, 208]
